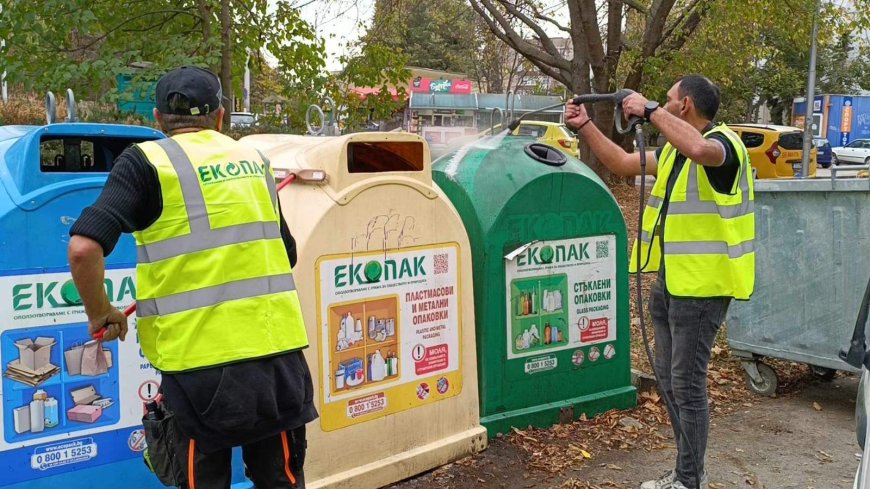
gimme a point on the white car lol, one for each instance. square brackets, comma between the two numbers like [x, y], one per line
[855, 153]
[239, 120]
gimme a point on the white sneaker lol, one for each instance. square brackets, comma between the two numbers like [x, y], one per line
[666, 481]
[669, 481]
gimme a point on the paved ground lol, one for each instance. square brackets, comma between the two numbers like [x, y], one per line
[780, 443]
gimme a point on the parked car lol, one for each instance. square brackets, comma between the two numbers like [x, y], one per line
[774, 151]
[823, 155]
[239, 120]
[550, 133]
[857, 153]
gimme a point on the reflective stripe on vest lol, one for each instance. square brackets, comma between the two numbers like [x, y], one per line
[731, 233]
[195, 299]
[214, 259]
[201, 236]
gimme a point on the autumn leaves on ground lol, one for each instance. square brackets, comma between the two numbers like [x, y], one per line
[561, 456]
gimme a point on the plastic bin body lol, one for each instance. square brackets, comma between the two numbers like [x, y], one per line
[537, 230]
[38, 300]
[384, 278]
[812, 253]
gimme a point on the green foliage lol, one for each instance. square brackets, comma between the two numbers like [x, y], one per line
[376, 66]
[435, 35]
[758, 52]
[85, 44]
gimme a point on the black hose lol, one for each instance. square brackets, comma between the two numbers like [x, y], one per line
[641, 147]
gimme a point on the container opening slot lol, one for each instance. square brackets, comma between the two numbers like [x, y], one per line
[384, 156]
[80, 154]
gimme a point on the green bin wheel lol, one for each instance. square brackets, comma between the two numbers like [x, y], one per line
[822, 372]
[767, 386]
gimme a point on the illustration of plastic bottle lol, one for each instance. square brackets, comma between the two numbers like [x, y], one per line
[52, 417]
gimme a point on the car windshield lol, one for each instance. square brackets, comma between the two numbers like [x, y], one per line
[243, 118]
[532, 130]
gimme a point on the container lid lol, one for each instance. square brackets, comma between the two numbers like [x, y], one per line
[545, 154]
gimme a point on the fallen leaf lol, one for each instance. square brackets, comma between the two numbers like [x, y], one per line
[585, 454]
[817, 406]
[613, 467]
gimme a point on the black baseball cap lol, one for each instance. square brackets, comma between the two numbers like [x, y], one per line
[199, 88]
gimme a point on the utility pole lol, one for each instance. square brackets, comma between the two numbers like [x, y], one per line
[247, 83]
[811, 94]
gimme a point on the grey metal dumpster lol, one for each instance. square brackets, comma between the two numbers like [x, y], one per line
[812, 264]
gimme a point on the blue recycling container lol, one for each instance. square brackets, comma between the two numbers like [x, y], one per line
[62, 422]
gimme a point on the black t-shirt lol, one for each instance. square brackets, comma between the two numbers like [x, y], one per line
[721, 177]
[277, 391]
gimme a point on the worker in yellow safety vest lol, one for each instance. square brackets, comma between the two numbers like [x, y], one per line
[698, 234]
[218, 313]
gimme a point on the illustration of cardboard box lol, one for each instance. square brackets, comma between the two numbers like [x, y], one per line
[84, 411]
[34, 354]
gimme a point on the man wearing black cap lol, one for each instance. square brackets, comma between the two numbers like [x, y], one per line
[217, 309]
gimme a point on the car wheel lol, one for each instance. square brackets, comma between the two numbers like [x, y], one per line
[867, 160]
[834, 159]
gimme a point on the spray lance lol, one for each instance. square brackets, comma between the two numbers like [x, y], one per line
[618, 115]
[635, 124]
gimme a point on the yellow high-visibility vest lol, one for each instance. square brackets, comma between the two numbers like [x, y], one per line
[214, 283]
[709, 237]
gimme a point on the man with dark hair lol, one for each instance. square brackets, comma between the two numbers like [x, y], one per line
[217, 309]
[698, 232]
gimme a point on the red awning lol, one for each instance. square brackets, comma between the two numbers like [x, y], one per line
[364, 92]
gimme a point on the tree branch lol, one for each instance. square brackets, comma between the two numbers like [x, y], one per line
[592, 33]
[689, 27]
[122, 24]
[546, 42]
[541, 16]
[502, 29]
[614, 38]
[635, 5]
[688, 11]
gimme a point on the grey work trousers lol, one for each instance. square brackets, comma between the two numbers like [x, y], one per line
[684, 332]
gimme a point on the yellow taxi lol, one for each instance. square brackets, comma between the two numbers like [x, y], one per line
[550, 133]
[775, 151]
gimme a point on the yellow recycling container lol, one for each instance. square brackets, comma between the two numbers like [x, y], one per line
[384, 277]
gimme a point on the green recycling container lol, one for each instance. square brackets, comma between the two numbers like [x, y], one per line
[550, 269]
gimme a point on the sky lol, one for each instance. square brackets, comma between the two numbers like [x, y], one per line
[338, 22]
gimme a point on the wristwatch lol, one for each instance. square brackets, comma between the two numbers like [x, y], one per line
[649, 108]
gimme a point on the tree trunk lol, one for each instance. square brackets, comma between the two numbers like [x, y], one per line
[205, 14]
[227, 59]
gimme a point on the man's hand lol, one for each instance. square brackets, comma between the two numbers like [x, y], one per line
[634, 104]
[113, 320]
[575, 115]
